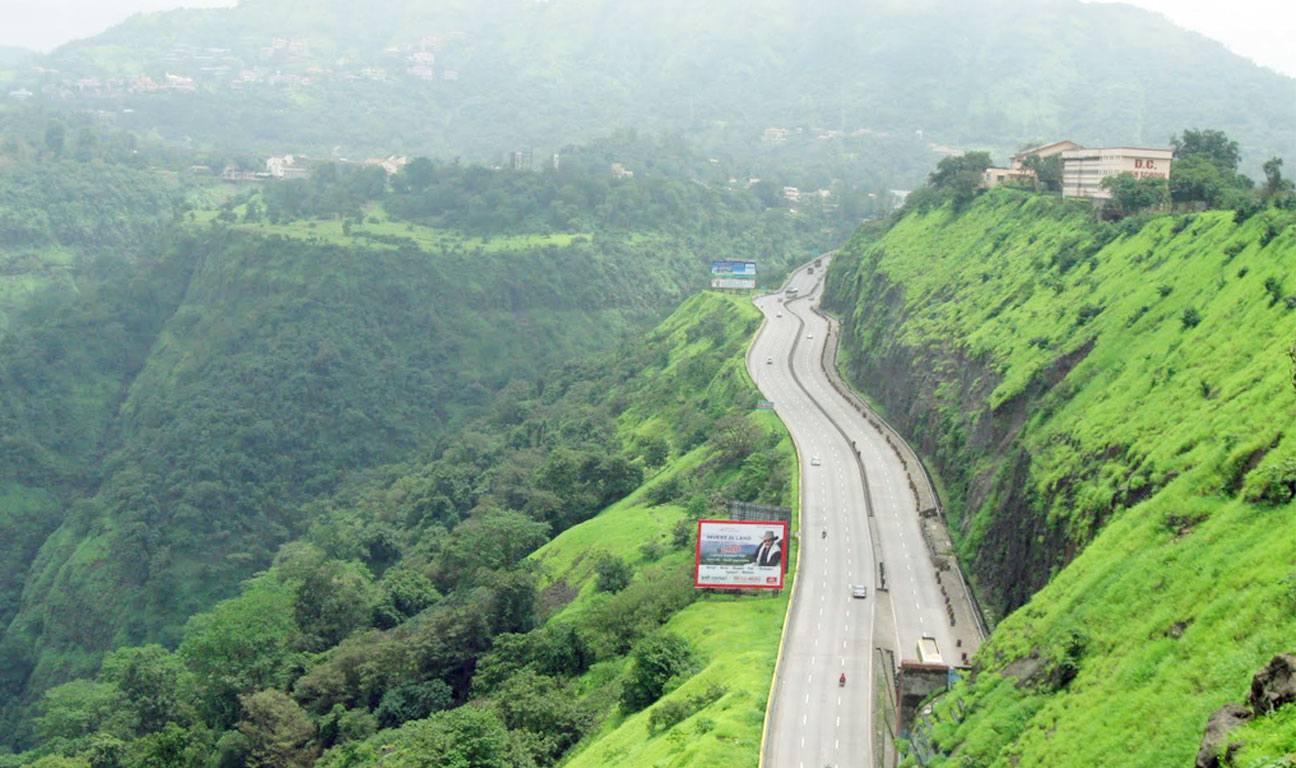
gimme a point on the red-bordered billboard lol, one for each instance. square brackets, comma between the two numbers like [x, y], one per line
[747, 554]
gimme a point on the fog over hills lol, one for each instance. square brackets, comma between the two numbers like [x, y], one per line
[480, 79]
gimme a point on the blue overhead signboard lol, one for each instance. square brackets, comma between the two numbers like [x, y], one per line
[734, 269]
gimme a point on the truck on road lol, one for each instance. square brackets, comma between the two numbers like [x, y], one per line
[929, 651]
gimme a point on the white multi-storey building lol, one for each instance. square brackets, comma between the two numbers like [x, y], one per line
[1084, 169]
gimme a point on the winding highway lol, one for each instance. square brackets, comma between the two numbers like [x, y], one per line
[813, 721]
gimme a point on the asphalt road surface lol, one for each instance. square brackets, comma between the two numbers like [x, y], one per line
[814, 721]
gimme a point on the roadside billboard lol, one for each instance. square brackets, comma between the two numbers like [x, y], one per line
[737, 553]
[734, 269]
[731, 282]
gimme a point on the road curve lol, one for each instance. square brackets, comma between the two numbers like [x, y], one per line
[813, 722]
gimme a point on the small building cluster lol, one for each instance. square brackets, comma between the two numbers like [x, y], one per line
[1084, 168]
[288, 167]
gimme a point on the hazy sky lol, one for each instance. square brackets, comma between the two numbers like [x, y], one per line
[1262, 30]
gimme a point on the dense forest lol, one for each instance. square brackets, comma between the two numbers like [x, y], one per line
[190, 365]
[411, 592]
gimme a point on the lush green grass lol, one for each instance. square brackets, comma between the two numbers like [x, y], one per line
[736, 637]
[378, 225]
[1157, 471]
[739, 640]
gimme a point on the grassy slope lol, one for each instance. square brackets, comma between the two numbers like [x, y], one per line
[736, 638]
[1159, 410]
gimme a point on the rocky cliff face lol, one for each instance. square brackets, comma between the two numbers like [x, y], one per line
[937, 393]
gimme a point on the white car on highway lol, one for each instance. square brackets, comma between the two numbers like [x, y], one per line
[814, 461]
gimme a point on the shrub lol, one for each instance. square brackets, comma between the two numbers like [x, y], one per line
[669, 713]
[652, 549]
[664, 492]
[613, 574]
[682, 533]
[660, 661]
[1087, 313]
[413, 701]
[1190, 317]
[1273, 286]
[1272, 485]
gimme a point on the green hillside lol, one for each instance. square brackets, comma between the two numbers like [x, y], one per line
[191, 366]
[1107, 406]
[417, 622]
[892, 80]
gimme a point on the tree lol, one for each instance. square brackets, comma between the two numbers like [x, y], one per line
[155, 683]
[497, 538]
[331, 598]
[1048, 172]
[1209, 144]
[55, 136]
[1130, 195]
[545, 708]
[170, 747]
[613, 574]
[735, 437]
[280, 734]
[404, 593]
[413, 701]
[416, 176]
[79, 708]
[242, 645]
[1275, 184]
[464, 737]
[659, 659]
[960, 176]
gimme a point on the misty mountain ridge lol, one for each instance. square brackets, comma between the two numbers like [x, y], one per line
[481, 79]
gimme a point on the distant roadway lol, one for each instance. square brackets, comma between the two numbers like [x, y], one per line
[813, 721]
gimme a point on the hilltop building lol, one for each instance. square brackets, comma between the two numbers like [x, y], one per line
[1017, 172]
[286, 167]
[1084, 169]
[1045, 151]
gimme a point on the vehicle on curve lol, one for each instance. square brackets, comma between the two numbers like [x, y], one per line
[814, 461]
[769, 361]
[929, 651]
[778, 314]
[809, 335]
